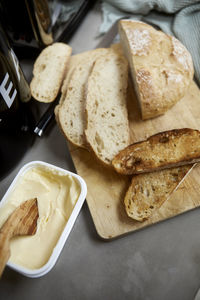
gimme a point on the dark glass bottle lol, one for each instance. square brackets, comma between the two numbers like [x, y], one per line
[16, 119]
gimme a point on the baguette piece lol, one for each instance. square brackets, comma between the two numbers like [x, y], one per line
[161, 67]
[70, 114]
[147, 192]
[163, 150]
[107, 129]
[48, 72]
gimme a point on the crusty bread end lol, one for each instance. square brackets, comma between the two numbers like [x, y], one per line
[161, 67]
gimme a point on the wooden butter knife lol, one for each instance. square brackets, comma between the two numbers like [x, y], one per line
[23, 221]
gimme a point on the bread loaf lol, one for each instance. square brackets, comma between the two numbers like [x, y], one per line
[70, 113]
[161, 67]
[147, 192]
[160, 151]
[48, 72]
[107, 129]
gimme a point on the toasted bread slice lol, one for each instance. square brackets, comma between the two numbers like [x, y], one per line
[70, 114]
[48, 72]
[160, 151]
[107, 129]
[147, 192]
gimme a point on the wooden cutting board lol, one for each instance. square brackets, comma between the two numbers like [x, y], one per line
[106, 188]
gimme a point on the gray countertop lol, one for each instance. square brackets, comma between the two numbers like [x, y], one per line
[159, 262]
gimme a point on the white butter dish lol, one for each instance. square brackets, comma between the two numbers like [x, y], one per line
[38, 272]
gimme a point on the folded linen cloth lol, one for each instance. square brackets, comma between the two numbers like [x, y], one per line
[180, 18]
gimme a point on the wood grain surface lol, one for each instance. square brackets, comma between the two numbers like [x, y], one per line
[106, 188]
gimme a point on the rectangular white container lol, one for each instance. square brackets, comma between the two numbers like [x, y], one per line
[61, 242]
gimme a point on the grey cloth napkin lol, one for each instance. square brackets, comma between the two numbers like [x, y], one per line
[180, 18]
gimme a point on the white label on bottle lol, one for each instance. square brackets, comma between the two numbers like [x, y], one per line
[16, 63]
[5, 91]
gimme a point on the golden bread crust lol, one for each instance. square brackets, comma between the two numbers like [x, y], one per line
[161, 67]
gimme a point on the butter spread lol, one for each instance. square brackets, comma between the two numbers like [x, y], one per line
[57, 193]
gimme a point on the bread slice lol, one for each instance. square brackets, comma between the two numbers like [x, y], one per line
[147, 192]
[118, 48]
[163, 150]
[161, 67]
[107, 129]
[74, 61]
[80, 59]
[48, 72]
[70, 114]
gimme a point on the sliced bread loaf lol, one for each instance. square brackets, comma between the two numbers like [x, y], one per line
[70, 113]
[161, 67]
[160, 151]
[147, 192]
[48, 72]
[107, 129]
